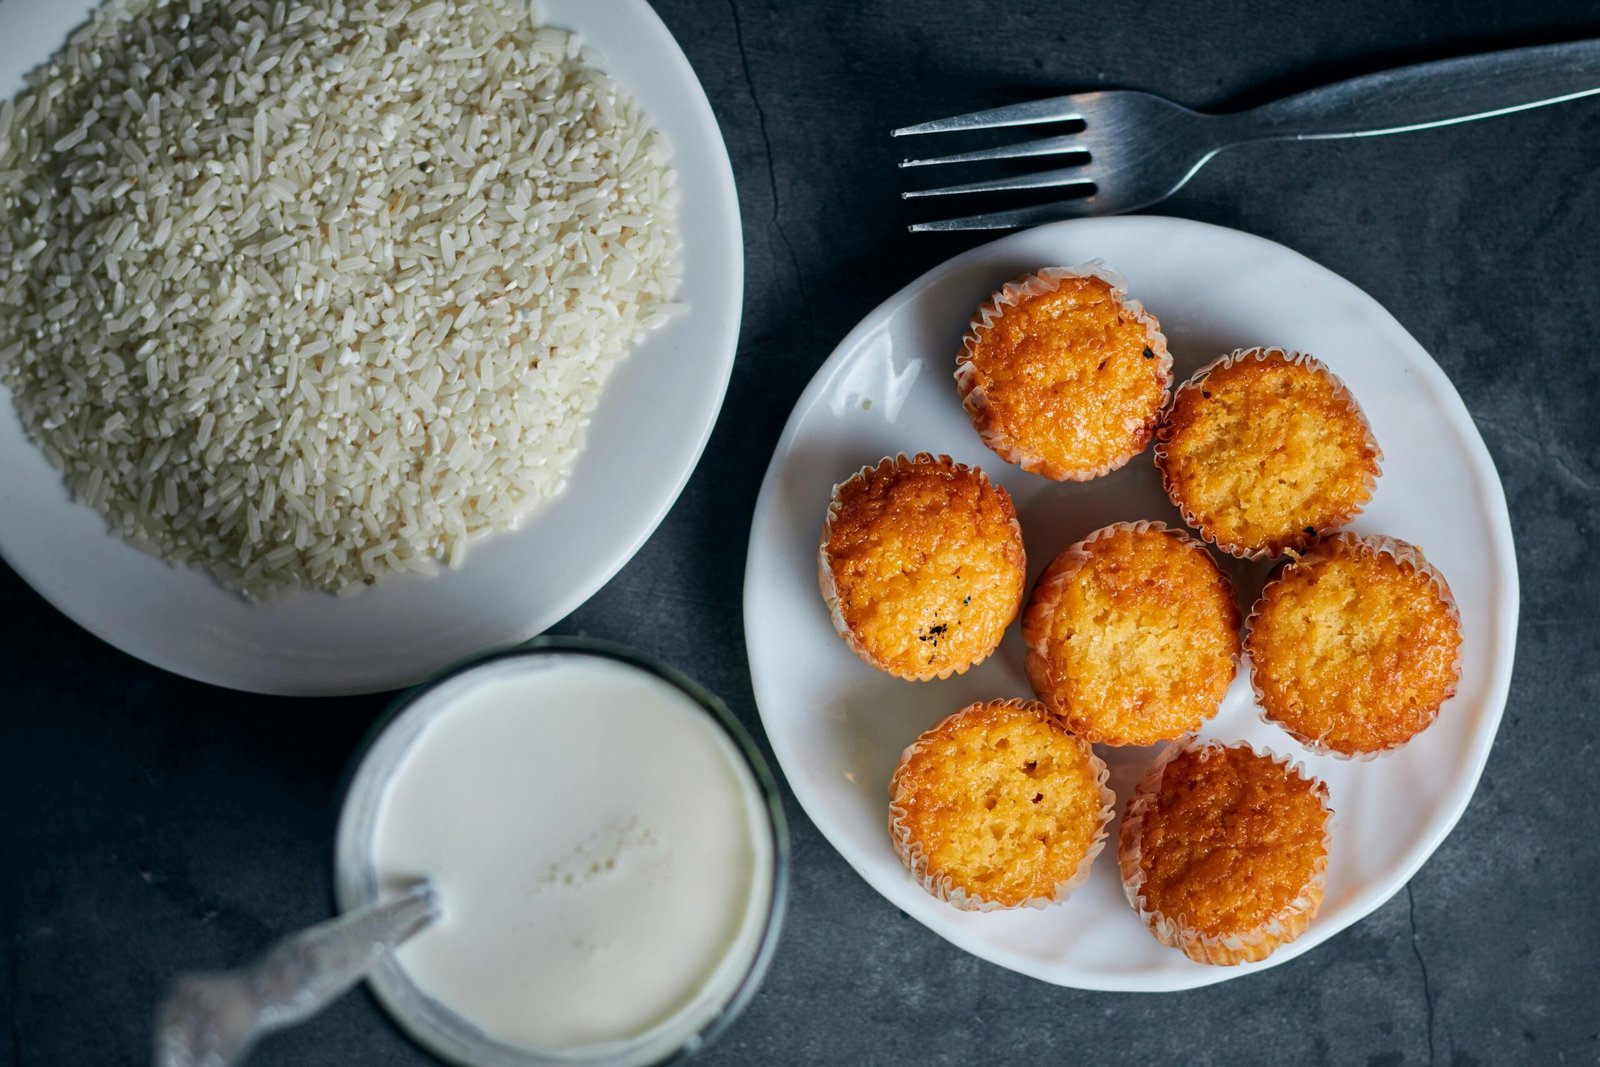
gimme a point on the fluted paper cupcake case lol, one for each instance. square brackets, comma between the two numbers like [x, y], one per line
[974, 397]
[1289, 923]
[1052, 585]
[1408, 556]
[830, 587]
[1163, 438]
[911, 853]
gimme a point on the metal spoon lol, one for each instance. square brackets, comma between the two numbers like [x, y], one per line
[213, 1019]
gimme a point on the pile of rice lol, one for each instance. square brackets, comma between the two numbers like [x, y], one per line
[306, 294]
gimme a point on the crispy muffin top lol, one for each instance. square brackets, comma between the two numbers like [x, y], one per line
[1133, 636]
[998, 801]
[927, 564]
[1230, 839]
[1352, 649]
[1067, 383]
[1266, 451]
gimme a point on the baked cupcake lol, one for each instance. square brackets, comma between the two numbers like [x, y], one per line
[999, 806]
[1355, 645]
[1063, 375]
[921, 565]
[1264, 451]
[1133, 635]
[1224, 851]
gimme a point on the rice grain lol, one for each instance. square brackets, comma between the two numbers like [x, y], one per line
[307, 297]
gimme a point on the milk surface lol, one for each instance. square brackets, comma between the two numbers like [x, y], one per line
[599, 846]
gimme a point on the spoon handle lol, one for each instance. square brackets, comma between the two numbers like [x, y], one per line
[212, 1019]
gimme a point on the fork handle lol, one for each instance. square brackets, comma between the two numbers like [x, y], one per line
[1427, 94]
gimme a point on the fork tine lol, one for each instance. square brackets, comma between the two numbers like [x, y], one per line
[1044, 179]
[1047, 146]
[1082, 207]
[1055, 109]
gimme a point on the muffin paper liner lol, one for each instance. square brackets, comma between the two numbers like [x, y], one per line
[830, 587]
[974, 397]
[1163, 437]
[1041, 609]
[911, 853]
[1288, 924]
[1409, 557]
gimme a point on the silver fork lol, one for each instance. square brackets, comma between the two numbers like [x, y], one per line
[1136, 149]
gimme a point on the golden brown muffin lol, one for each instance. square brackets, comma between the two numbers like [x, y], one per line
[999, 806]
[1264, 451]
[1355, 645]
[1133, 635]
[921, 565]
[1062, 375]
[1224, 852]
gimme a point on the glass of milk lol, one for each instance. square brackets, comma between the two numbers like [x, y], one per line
[607, 844]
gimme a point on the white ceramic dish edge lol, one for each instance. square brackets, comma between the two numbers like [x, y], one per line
[1371, 898]
[118, 593]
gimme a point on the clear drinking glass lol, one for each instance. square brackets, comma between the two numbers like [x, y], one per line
[442, 1031]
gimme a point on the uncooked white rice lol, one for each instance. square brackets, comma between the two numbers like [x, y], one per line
[309, 294]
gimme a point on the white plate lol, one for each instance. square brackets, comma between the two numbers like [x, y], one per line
[838, 726]
[645, 438]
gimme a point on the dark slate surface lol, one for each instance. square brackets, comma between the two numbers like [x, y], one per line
[152, 824]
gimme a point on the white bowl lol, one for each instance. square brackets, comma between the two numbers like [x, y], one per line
[644, 440]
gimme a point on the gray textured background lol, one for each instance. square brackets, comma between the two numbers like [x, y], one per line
[151, 824]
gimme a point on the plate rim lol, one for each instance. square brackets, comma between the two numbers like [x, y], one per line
[723, 332]
[1486, 475]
